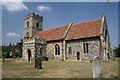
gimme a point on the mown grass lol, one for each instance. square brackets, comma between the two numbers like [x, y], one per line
[57, 69]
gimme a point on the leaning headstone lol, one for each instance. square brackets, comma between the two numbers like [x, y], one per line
[97, 67]
[38, 63]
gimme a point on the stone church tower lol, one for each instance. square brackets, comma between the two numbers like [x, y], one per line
[32, 24]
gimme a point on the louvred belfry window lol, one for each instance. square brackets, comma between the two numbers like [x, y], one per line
[28, 24]
[37, 24]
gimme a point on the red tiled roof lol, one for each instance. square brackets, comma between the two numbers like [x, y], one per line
[77, 31]
[51, 34]
[85, 30]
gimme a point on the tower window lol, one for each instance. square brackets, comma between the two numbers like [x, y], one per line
[85, 46]
[27, 36]
[57, 49]
[28, 24]
[37, 24]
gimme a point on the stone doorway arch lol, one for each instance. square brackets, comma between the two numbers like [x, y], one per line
[29, 54]
[78, 56]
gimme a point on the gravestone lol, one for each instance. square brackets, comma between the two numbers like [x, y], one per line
[38, 63]
[38, 56]
[97, 67]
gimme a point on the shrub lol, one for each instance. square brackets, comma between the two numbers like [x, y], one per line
[117, 51]
[0, 53]
[16, 54]
[5, 54]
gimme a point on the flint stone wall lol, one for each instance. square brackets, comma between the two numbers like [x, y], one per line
[50, 50]
[77, 46]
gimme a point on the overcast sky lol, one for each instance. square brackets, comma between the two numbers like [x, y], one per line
[55, 15]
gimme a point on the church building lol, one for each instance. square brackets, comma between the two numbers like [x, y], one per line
[72, 42]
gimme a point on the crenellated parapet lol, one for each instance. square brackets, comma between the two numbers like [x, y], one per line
[33, 15]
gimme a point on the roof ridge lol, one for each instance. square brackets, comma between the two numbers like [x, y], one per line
[87, 21]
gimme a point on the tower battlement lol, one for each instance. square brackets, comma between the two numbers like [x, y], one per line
[33, 15]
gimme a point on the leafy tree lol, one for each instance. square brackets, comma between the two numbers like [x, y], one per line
[20, 44]
[0, 53]
[16, 54]
[117, 51]
[10, 44]
[5, 54]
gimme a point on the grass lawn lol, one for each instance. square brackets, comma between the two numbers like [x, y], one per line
[57, 69]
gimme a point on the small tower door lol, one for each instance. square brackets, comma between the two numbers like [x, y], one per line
[29, 54]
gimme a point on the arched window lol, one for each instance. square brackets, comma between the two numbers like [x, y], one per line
[69, 50]
[41, 51]
[57, 49]
[28, 24]
[37, 24]
[86, 46]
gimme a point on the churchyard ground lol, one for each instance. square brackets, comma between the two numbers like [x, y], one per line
[57, 69]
